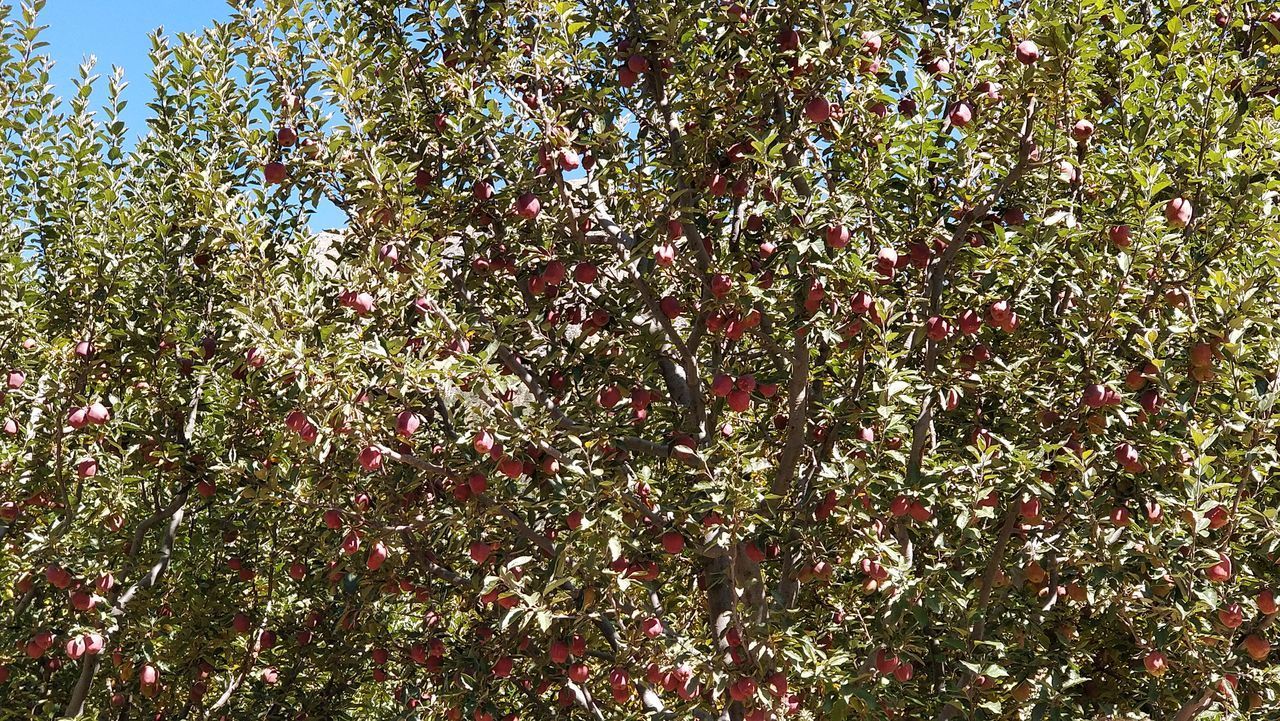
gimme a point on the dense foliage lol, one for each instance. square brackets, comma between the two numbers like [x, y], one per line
[676, 360]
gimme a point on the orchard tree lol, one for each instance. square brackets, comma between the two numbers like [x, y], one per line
[731, 361]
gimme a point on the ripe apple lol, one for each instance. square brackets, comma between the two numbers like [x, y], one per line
[586, 273]
[333, 519]
[483, 442]
[1027, 52]
[274, 172]
[970, 322]
[1220, 572]
[1029, 509]
[961, 114]
[1156, 664]
[479, 551]
[818, 110]
[886, 261]
[1218, 517]
[1267, 604]
[97, 414]
[1231, 616]
[743, 689]
[407, 423]
[1256, 646]
[558, 652]
[511, 467]
[377, 555]
[350, 543]
[82, 600]
[937, 328]
[371, 458]
[528, 206]
[1201, 355]
[673, 542]
[885, 662]
[57, 576]
[652, 627]
[837, 235]
[1126, 455]
[1120, 516]
[1095, 396]
[1178, 212]
[664, 255]
[1120, 235]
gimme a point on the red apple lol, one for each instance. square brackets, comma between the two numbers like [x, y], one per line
[274, 172]
[377, 555]
[652, 627]
[1231, 616]
[407, 423]
[528, 206]
[1027, 52]
[1120, 235]
[585, 273]
[673, 542]
[371, 458]
[817, 110]
[483, 442]
[961, 114]
[1256, 646]
[1156, 664]
[1267, 604]
[1221, 571]
[1178, 212]
[837, 235]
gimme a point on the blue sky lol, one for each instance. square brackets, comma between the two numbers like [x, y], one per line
[115, 32]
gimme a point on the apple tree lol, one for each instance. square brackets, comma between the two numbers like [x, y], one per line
[735, 361]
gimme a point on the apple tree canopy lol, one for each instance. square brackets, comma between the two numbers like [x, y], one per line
[675, 360]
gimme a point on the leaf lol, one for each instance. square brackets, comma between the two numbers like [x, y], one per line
[518, 562]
